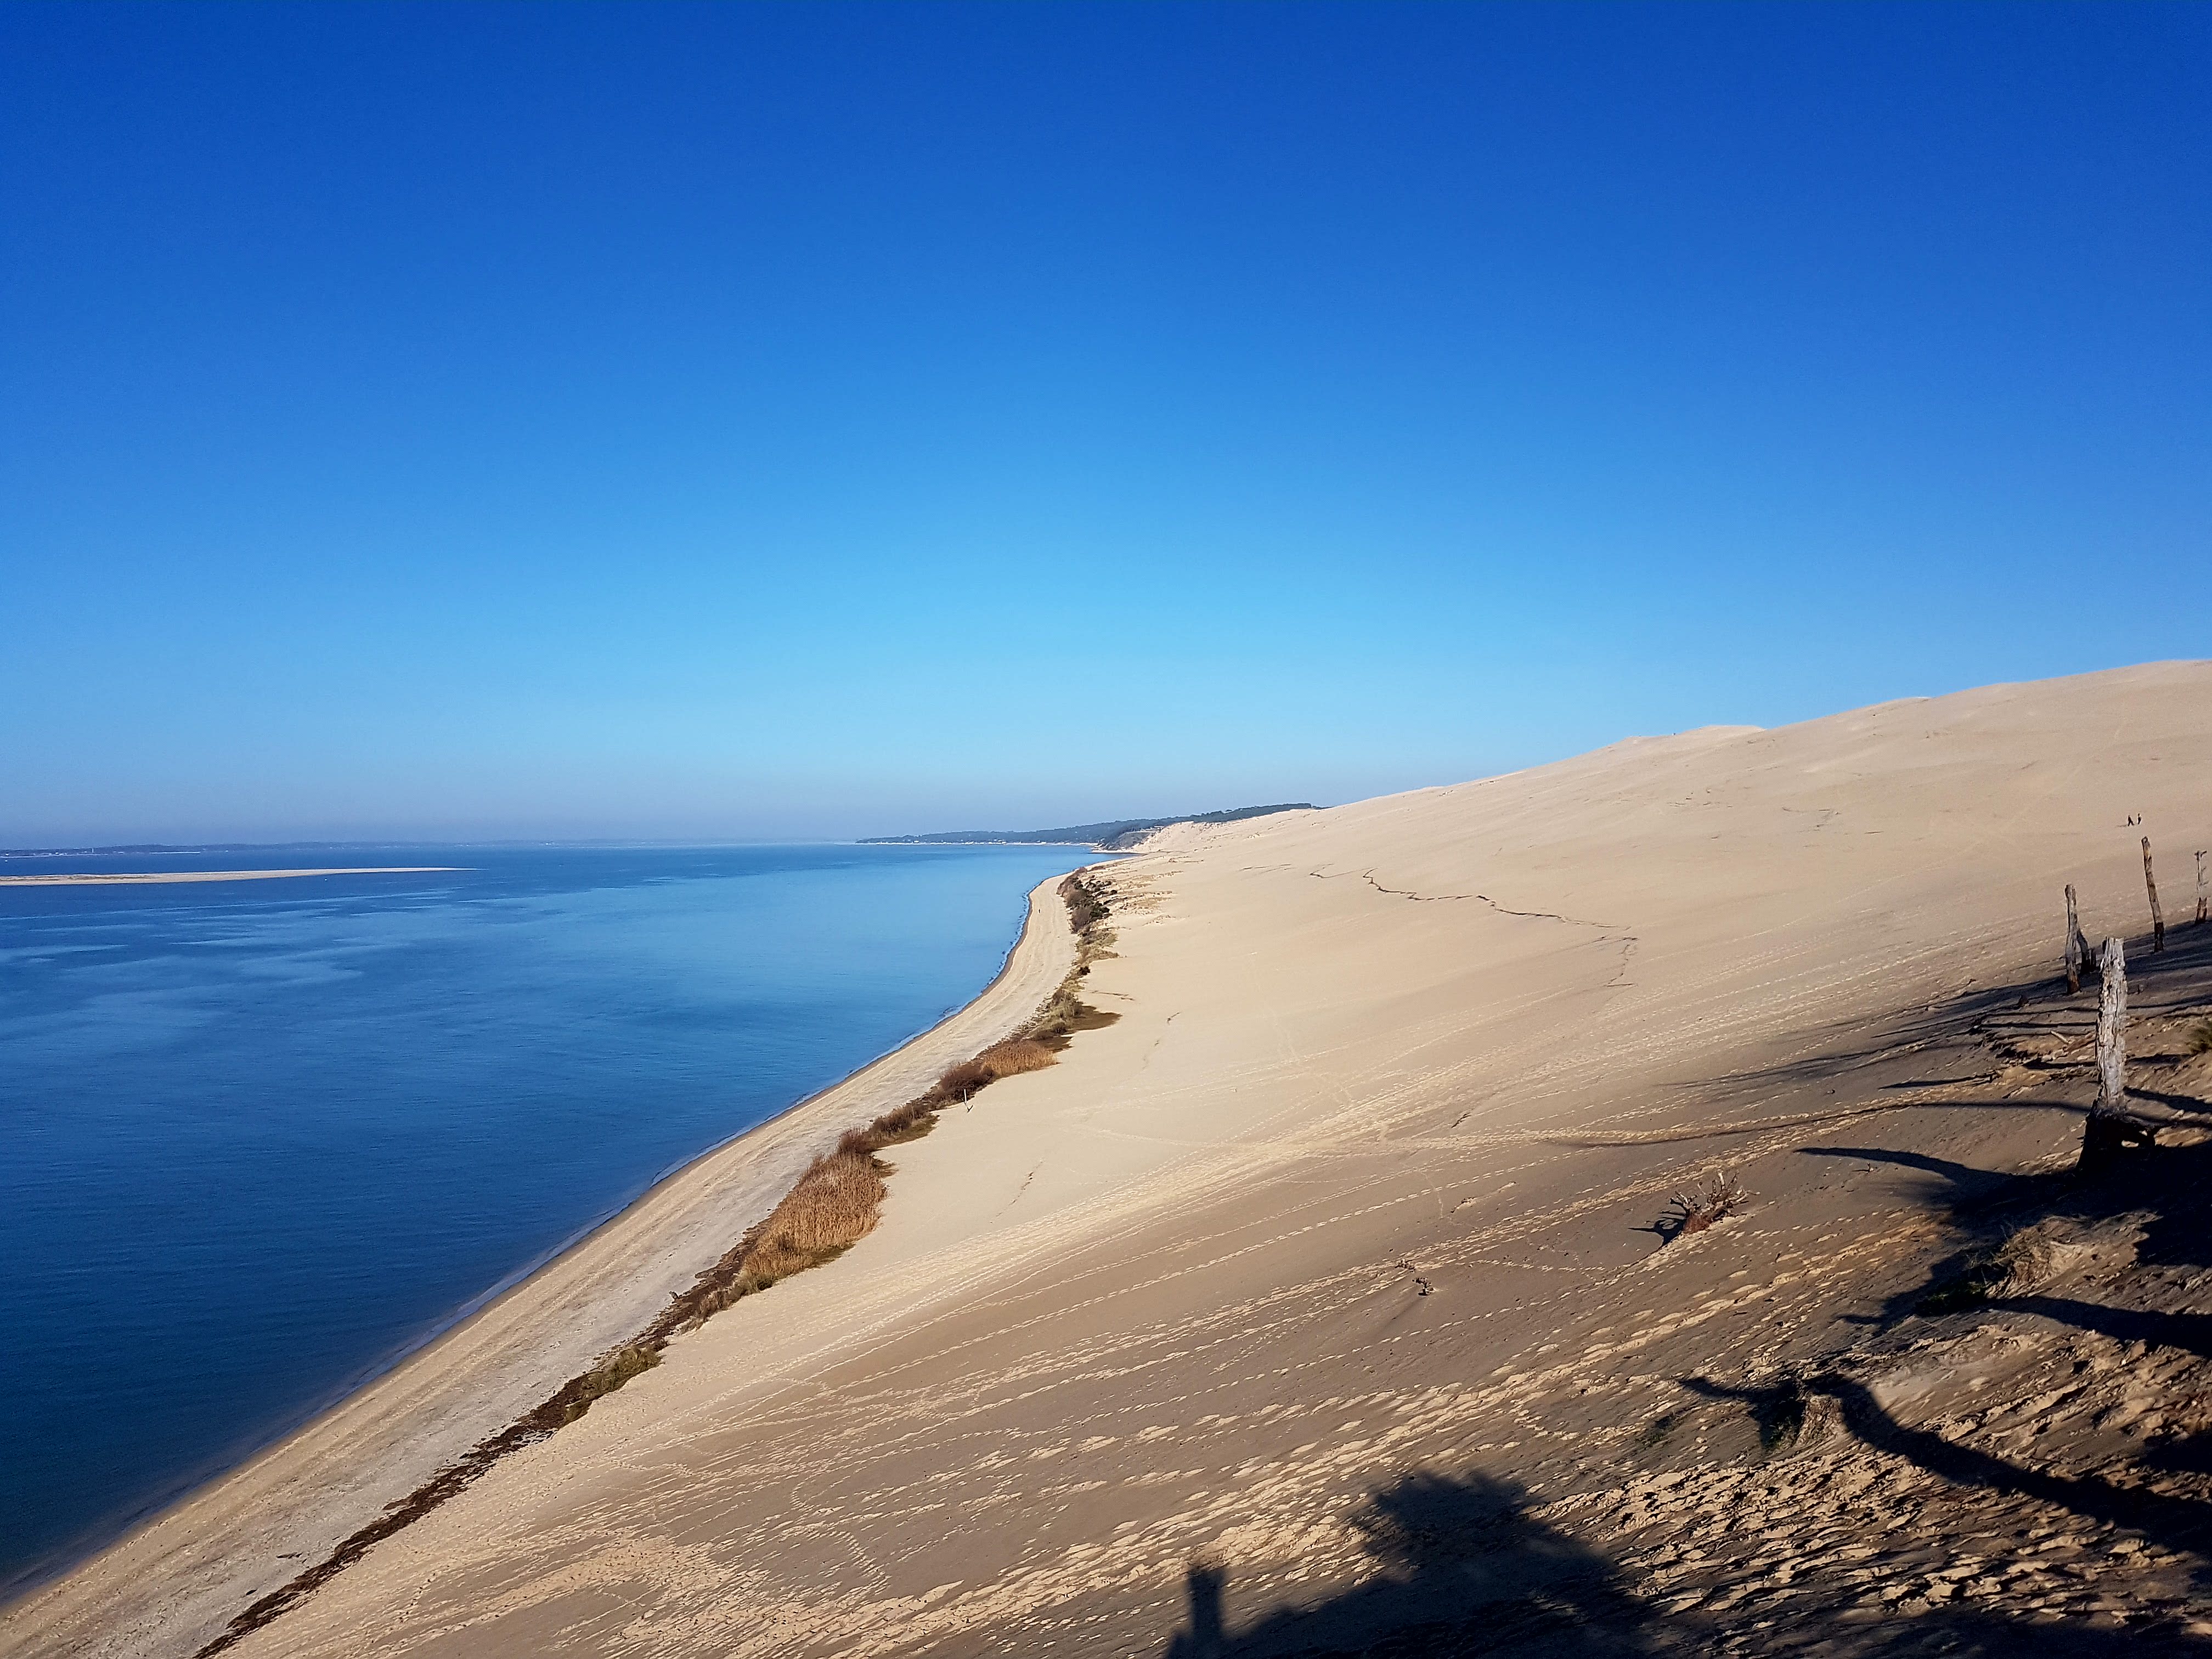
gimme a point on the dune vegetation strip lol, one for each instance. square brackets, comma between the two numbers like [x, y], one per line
[836, 1202]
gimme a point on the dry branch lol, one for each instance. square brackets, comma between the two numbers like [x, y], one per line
[1700, 1206]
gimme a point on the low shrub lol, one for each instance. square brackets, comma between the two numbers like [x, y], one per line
[1087, 908]
[1008, 1059]
[633, 1359]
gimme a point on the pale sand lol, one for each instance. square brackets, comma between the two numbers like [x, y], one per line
[217, 875]
[1164, 1300]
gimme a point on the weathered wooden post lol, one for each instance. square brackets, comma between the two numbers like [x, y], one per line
[2157, 921]
[2109, 1128]
[2201, 908]
[2077, 946]
[2112, 1029]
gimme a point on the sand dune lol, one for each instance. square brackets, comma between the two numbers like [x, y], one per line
[1349, 1215]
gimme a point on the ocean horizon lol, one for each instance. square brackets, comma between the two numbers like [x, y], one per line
[261, 1140]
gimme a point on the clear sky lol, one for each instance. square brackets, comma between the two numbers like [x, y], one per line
[724, 420]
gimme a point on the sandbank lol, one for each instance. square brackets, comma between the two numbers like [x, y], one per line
[122, 878]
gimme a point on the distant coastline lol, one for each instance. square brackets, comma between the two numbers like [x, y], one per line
[1114, 835]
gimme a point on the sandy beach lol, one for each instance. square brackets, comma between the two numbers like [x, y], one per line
[1350, 1232]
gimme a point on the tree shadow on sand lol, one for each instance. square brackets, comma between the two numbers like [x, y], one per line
[2163, 1191]
[1964, 1024]
[2166, 1193]
[1461, 1569]
[2180, 1523]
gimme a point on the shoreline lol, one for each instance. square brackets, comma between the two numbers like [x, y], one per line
[500, 1353]
[836, 1202]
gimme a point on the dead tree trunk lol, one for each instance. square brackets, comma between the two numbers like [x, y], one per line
[2202, 907]
[2108, 1129]
[2157, 918]
[2112, 1029]
[2077, 947]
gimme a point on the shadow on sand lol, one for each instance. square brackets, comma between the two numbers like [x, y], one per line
[1461, 1569]
[1955, 1027]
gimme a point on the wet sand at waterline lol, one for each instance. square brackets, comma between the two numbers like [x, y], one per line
[1347, 1238]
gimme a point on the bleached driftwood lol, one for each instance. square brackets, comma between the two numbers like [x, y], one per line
[2077, 947]
[2109, 1127]
[2112, 1027]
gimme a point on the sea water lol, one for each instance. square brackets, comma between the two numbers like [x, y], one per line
[260, 1139]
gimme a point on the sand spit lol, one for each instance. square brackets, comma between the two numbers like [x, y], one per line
[122, 879]
[1325, 1303]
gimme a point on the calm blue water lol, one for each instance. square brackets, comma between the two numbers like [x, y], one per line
[257, 1139]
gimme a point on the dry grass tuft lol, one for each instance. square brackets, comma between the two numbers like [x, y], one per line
[1008, 1059]
[830, 1208]
[1066, 1014]
[1696, 1209]
[834, 1206]
[2200, 1037]
[964, 1080]
[617, 1368]
[909, 1122]
[2016, 1265]
[1014, 1056]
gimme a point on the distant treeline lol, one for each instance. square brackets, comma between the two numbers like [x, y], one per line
[1107, 837]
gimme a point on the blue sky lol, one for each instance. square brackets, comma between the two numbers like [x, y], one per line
[830, 420]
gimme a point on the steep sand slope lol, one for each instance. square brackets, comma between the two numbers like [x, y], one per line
[1399, 1091]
